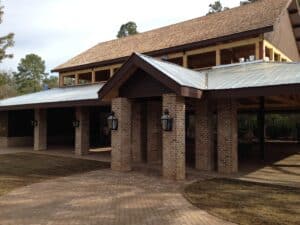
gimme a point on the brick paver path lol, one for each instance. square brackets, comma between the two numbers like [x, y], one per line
[102, 197]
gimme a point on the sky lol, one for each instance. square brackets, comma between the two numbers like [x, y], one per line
[58, 30]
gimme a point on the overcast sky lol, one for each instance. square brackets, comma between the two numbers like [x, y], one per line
[60, 29]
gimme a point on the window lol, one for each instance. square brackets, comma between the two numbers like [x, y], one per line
[69, 80]
[178, 61]
[203, 60]
[85, 78]
[233, 55]
[102, 75]
[277, 57]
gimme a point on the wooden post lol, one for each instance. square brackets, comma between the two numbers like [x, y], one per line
[61, 80]
[272, 56]
[218, 57]
[93, 76]
[76, 78]
[261, 126]
[263, 50]
[185, 61]
[257, 51]
[111, 71]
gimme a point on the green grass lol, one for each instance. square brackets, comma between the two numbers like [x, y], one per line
[20, 169]
[246, 203]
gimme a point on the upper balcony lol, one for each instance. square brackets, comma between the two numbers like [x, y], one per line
[198, 59]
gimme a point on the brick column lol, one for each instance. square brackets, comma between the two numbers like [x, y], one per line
[204, 149]
[40, 131]
[82, 133]
[121, 138]
[136, 141]
[154, 131]
[174, 141]
[227, 136]
[4, 129]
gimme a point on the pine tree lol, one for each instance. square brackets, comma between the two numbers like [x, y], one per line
[31, 74]
[6, 41]
[127, 29]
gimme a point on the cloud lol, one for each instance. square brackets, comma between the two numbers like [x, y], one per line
[59, 29]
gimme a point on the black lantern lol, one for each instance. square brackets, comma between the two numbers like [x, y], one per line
[112, 121]
[166, 121]
[76, 123]
[34, 123]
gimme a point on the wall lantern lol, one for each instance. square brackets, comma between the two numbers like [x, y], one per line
[76, 123]
[166, 121]
[34, 123]
[112, 121]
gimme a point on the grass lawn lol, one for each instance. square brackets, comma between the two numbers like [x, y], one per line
[246, 203]
[20, 169]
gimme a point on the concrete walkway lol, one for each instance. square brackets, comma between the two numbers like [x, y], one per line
[102, 197]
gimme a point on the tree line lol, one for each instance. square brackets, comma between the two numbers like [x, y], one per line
[30, 75]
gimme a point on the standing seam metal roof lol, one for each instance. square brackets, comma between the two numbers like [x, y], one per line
[254, 74]
[65, 94]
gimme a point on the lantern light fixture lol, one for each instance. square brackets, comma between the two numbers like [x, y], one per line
[76, 123]
[166, 121]
[34, 123]
[112, 121]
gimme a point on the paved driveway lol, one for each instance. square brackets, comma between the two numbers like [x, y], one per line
[102, 197]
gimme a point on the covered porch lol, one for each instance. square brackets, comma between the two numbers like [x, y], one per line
[62, 119]
[205, 108]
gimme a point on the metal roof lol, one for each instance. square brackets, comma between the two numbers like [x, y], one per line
[65, 94]
[233, 76]
[182, 76]
[253, 74]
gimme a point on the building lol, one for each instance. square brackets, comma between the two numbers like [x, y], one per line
[203, 72]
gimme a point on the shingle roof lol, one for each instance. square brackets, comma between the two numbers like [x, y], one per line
[260, 14]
